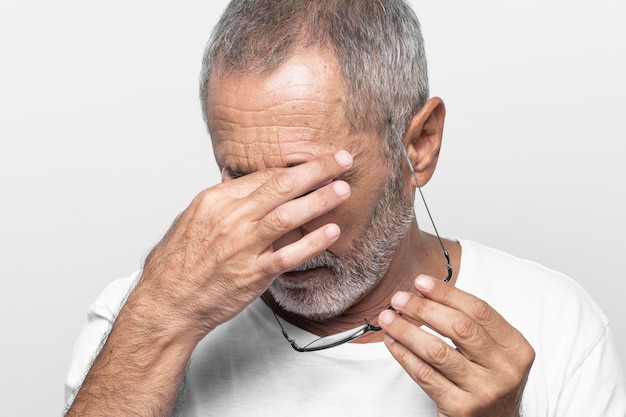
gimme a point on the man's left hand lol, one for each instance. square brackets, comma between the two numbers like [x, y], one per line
[484, 376]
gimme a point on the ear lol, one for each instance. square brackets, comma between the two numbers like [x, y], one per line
[423, 139]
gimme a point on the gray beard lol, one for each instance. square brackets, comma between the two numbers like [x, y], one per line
[345, 280]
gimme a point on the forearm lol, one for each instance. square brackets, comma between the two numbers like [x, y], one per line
[216, 259]
[138, 372]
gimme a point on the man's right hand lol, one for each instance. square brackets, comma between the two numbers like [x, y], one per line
[218, 256]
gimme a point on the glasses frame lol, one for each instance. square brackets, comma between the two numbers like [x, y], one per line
[396, 135]
[319, 342]
[367, 327]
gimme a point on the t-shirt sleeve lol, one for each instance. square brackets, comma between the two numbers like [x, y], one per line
[577, 370]
[100, 317]
[597, 387]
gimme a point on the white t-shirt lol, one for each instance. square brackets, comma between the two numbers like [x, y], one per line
[246, 368]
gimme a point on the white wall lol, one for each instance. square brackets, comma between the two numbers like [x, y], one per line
[102, 144]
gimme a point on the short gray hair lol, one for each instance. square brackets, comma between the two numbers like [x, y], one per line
[378, 44]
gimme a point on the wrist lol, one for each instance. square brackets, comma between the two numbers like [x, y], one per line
[133, 364]
[152, 314]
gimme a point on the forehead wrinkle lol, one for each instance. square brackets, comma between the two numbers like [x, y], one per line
[252, 148]
[291, 115]
[283, 130]
[288, 114]
[277, 101]
[245, 157]
[303, 122]
[250, 157]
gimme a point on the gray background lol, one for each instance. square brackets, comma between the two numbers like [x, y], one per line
[102, 144]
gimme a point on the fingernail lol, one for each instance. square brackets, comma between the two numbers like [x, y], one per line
[388, 339]
[332, 231]
[424, 282]
[343, 158]
[341, 188]
[400, 299]
[386, 317]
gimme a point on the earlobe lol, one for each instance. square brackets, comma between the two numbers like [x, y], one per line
[423, 138]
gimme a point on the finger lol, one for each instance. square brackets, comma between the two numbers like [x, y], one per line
[299, 211]
[436, 385]
[251, 197]
[477, 330]
[467, 334]
[455, 384]
[294, 254]
[243, 186]
[293, 182]
[430, 349]
[477, 309]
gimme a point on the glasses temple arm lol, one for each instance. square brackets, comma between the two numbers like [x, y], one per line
[396, 135]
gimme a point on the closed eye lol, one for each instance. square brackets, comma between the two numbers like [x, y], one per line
[233, 174]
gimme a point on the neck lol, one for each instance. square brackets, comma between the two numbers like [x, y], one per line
[417, 253]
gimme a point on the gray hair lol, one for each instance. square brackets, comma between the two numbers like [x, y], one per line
[378, 44]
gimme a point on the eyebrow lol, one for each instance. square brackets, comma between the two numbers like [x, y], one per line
[235, 173]
[348, 176]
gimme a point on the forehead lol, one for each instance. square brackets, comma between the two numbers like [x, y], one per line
[283, 117]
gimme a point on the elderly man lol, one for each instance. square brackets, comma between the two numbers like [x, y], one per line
[323, 129]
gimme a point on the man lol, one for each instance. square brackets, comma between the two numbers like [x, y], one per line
[323, 130]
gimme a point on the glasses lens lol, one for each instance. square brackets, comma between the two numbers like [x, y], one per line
[337, 339]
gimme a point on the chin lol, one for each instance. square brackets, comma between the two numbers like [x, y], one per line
[316, 300]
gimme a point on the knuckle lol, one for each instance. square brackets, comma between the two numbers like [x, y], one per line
[283, 183]
[527, 353]
[326, 165]
[524, 362]
[403, 356]
[438, 353]
[427, 376]
[275, 223]
[521, 360]
[282, 262]
[265, 175]
[424, 373]
[204, 198]
[277, 220]
[465, 328]
[483, 311]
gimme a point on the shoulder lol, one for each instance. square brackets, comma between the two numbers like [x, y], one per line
[548, 307]
[111, 299]
[507, 280]
[565, 326]
[100, 316]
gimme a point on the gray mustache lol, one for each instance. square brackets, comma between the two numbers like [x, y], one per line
[323, 260]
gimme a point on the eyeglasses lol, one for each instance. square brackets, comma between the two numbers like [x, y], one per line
[334, 340]
[331, 341]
